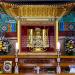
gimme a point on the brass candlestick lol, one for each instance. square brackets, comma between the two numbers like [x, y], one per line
[16, 59]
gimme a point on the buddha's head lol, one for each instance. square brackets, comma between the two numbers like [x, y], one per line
[37, 31]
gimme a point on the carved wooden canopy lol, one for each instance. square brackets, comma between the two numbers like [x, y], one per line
[41, 11]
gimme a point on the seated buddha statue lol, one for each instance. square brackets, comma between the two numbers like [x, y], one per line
[37, 40]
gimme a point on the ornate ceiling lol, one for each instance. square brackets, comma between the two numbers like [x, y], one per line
[41, 11]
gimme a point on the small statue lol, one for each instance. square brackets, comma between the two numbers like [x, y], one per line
[69, 46]
[37, 69]
[4, 44]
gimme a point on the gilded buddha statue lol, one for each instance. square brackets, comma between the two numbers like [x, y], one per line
[38, 39]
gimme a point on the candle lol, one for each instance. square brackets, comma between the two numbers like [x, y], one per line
[17, 46]
[58, 46]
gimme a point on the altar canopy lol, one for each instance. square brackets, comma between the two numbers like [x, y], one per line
[34, 37]
[40, 11]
